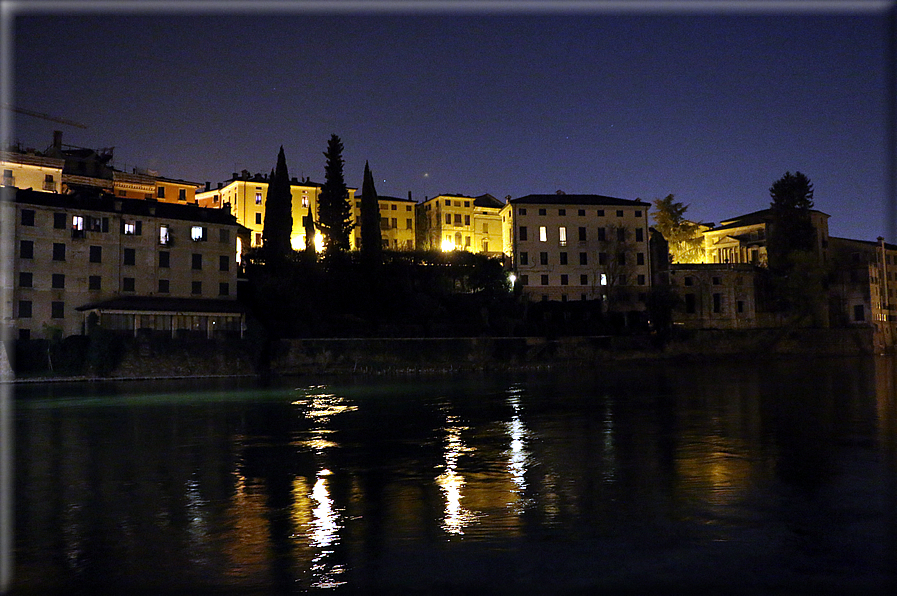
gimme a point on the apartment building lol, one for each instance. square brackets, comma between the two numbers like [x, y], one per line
[397, 222]
[581, 247]
[30, 170]
[132, 264]
[458, 222]
[244, 195]
[716, 296]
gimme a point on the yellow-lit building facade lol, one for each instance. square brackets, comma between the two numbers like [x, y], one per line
[28, 170]
[245, 196]
[397, 222]
[458, 222]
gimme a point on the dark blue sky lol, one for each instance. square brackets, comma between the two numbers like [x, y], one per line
[712, 106]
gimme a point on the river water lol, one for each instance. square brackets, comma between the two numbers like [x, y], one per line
[749, 477]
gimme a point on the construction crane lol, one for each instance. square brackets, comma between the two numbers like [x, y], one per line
[43, 116]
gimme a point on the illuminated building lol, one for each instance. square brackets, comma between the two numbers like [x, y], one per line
[581, 247]
[244, 195]
[458, 222]
[133, 264]
[743, 239]
[30, 170]
[715, 296]
[397, 225]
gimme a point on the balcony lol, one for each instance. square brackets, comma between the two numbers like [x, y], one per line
[49, 185]
[9, 181]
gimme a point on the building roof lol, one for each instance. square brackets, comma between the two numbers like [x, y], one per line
[31, 159]
[109, 203]
[750, 219]
[868, 243]
[488, 200]
[166, 304]
[386, 198]
[565, 199]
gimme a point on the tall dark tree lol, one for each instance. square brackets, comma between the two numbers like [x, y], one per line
[308, 222]
[333, 202]
[371, 241]
[791, 229]
[278, 213]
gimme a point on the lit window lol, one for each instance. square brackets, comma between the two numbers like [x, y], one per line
[258, 196]
[562, 236]
[130, 228]
[543, 234]
[78, 223]
[604, 279]
[163, 234]
[198, 233]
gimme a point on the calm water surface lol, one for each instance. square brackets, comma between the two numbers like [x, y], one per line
[767, 477]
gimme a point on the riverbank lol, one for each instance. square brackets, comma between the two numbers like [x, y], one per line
[380, 356]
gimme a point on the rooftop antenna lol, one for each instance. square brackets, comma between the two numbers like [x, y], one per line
[42, 116]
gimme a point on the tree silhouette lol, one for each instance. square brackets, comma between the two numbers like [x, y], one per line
[371, 241]
[683, 236]
[791, 229]
[333, 203]
[278, 213]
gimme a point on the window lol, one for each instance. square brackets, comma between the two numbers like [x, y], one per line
[58, 281]
[78, 225]
[466, 220]
[604, 279]
[94, 282]
[258, 218]
[127, 284]
[523, 234]
[581, 213]
[717, 281]
[96, 254]
[160, 192]
[59, 221]
[688, 280]
[467, 203]
[563, 257]
[224, 235]
[521, 211]
[583, 280]
[58, 251]
[164, 237]
[457, 219]
[129, 256]
[690, 304]
[621, 258]
[619, 213]
[544, 280]
[196, 288]
[196, 262]
[129, 228]
[27, 217]
[26, 249]
[164, 259]
[640, 258]
[621, 234]
[582, 234]
[641, 280]
[583, 258]
[395, 223]
[543, 258]
[224, 289]
[543, 234]
[198, 233]
[57, 310]
[448, 218]
[601, 235]
[602, 258]
[223, 263]
[524, 280]
[638, 212]
[739, 306]
[524, 258]
[448, 203]
[408, 224]
[562, 212]
[26, 279]
[562, 236]
[600, 213]
[639, 234]
[717, 303]
[163, 286]
[564, 279]
[24, 309]
[542, 212]
[182, 194]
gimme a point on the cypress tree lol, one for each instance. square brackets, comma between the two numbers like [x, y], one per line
[278, 213]
[333, 202]
[791, 230]
[371, 241]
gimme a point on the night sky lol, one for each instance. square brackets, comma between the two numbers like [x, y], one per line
[710, 105]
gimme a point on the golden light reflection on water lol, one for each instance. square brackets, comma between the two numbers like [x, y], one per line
[456, 517]
[518, 456]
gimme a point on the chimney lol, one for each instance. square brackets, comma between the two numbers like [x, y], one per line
[234, 176]
[57, 139]
[208, 186]
[220, 185]
[409, 196]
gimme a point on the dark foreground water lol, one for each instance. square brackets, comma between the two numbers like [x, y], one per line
[770, 477]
